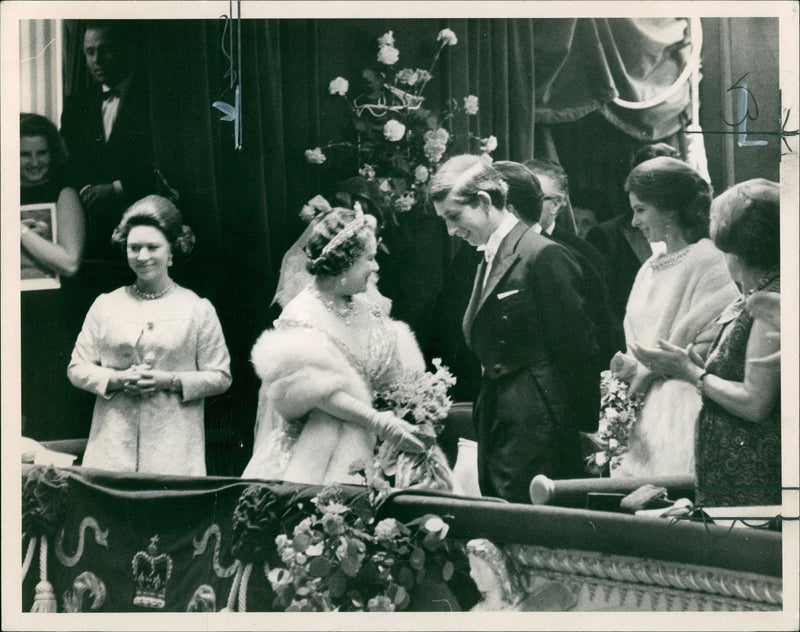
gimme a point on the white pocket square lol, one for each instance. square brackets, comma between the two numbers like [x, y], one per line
[503, 295]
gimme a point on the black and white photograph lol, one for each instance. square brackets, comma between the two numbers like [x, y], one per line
[41, 220]
[400, 315]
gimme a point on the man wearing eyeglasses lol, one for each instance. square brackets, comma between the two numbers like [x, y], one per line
[555, 204]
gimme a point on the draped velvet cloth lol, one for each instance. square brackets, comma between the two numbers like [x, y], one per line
[534, 78]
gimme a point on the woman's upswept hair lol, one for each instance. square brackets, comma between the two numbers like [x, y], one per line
[160, 213]
[672, 186]
[37, 125]
[336, 260]
[466, 176]
[746, 222]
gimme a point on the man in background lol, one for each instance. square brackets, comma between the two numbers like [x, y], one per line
[106, 128]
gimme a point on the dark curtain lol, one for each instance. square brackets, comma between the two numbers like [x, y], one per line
[243, 204]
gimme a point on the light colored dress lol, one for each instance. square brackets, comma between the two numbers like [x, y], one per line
[179, 333]
[675, 297]
[311, 354]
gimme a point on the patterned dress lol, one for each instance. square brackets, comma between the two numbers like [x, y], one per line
[179, 333]
[738, 461]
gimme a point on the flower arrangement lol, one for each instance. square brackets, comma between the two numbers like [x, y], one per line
[399, 142]
[340, 559]
[618, 412]
[419, 397]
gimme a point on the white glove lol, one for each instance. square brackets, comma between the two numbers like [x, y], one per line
[394, 430]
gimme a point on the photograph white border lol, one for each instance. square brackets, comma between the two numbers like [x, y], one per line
[12, 11]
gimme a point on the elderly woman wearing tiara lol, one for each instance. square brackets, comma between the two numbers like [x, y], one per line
[332, 348]
[151, 352]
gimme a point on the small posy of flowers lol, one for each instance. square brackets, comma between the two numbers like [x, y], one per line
[341, 559]
[396, 141]
[618, 413]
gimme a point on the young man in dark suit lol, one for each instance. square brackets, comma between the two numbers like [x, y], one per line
[527, 324]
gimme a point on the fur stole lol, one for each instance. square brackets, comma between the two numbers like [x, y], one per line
[300, 368]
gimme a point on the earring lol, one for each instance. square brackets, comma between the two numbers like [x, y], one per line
[343, 281]
[169, 261]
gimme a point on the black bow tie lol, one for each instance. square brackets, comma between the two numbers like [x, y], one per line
[108, 94]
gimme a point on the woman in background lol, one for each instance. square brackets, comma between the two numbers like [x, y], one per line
[738, 452]
[151, 352]
[51, 408]
[677, 297]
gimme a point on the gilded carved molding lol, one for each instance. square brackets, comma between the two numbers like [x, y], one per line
[710, 587]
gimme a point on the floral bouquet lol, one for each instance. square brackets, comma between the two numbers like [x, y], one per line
[398, 142]
[419, 397]
[339, 559]
[618, 413]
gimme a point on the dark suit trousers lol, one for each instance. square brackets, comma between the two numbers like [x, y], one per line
[523, 430]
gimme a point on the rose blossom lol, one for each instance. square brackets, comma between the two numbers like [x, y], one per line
[394, 130]
[387, 529]
[340, 85]
[421, 173]
[489, 144]
[315, 156]
[388, 55]
[423, 75]
[380, 603]
[471, 104]
[407, 76]
[448, 37]
[387, 39]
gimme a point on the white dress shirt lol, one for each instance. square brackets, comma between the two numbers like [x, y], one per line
[495, 239]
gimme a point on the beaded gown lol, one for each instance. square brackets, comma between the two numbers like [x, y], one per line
[313, 352]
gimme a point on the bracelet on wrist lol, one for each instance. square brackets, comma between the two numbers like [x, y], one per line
[700, 383]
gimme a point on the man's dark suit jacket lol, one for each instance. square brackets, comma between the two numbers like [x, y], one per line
[607, 322]
[126, 156]
[530, 331]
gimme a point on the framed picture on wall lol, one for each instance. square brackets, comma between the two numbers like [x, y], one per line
[40, 218]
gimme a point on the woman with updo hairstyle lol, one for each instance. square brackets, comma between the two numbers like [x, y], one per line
[677, 296]
[738, 450]
[331, 348]
[151, 352]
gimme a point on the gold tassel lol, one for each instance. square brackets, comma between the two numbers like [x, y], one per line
[45, 598]
[243, 587]
[234, 589]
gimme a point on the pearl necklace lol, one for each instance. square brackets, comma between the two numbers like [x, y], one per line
[346, 313]
[149, 297]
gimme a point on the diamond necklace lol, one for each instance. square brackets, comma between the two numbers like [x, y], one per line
[345, 313]
[149, 297]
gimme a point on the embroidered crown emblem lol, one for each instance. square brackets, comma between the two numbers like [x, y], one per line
[151, 573]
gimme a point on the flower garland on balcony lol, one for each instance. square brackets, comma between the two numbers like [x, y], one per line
[398, 142]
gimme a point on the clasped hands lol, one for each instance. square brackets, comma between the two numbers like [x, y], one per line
[669, 360]
[143, 381]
